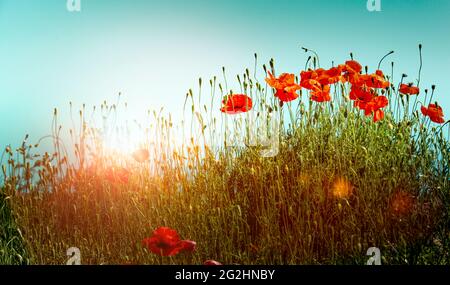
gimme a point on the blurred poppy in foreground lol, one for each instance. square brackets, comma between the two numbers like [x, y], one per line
[236, 103]
[166, 242]
[435, 113]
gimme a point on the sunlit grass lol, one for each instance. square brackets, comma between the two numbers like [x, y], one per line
[339, 184]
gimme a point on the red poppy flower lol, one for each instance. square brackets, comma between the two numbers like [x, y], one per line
[334, 71]
[166, 242]
[141, 155]
[325, 77]
[311, 84]
[306, 75]
[285, 86]
[371, 105]
[409, 89]
[376, 80]
[236, 103]
[334, 74]
[352, 66]
[435, 113]
[378, 115]
[321, 95]
[375, 104]
[362, 93]
[212, 262]
[314, 79]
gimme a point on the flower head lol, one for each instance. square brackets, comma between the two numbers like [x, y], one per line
[322, 95]
[166, 242]
[285, 86]
[352, 66]
[378, 115]
[375, 80]
[375, 104]
[236, 103]
[334, 74]
[435, 113]
[409, 89]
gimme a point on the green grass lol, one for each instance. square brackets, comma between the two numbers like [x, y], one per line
[12, 250]
[239, 207]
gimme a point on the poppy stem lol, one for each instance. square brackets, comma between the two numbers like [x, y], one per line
[397, 98]
[307, 62]
[420, 67]
[225, 79]
[315, 54]
[388, 54]
[256, 65]
[442, 126]
[391, 85]
[433, 87]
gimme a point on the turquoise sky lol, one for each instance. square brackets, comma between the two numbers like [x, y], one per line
[153, 51]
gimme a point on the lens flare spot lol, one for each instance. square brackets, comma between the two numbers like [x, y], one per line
[342, 188]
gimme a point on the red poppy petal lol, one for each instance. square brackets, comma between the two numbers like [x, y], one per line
[424, 110]
[187, 245]
[211, 262]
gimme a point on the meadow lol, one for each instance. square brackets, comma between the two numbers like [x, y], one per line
[360, 162]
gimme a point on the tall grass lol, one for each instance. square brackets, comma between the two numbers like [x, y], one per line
[339, 185]
[12, 249]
